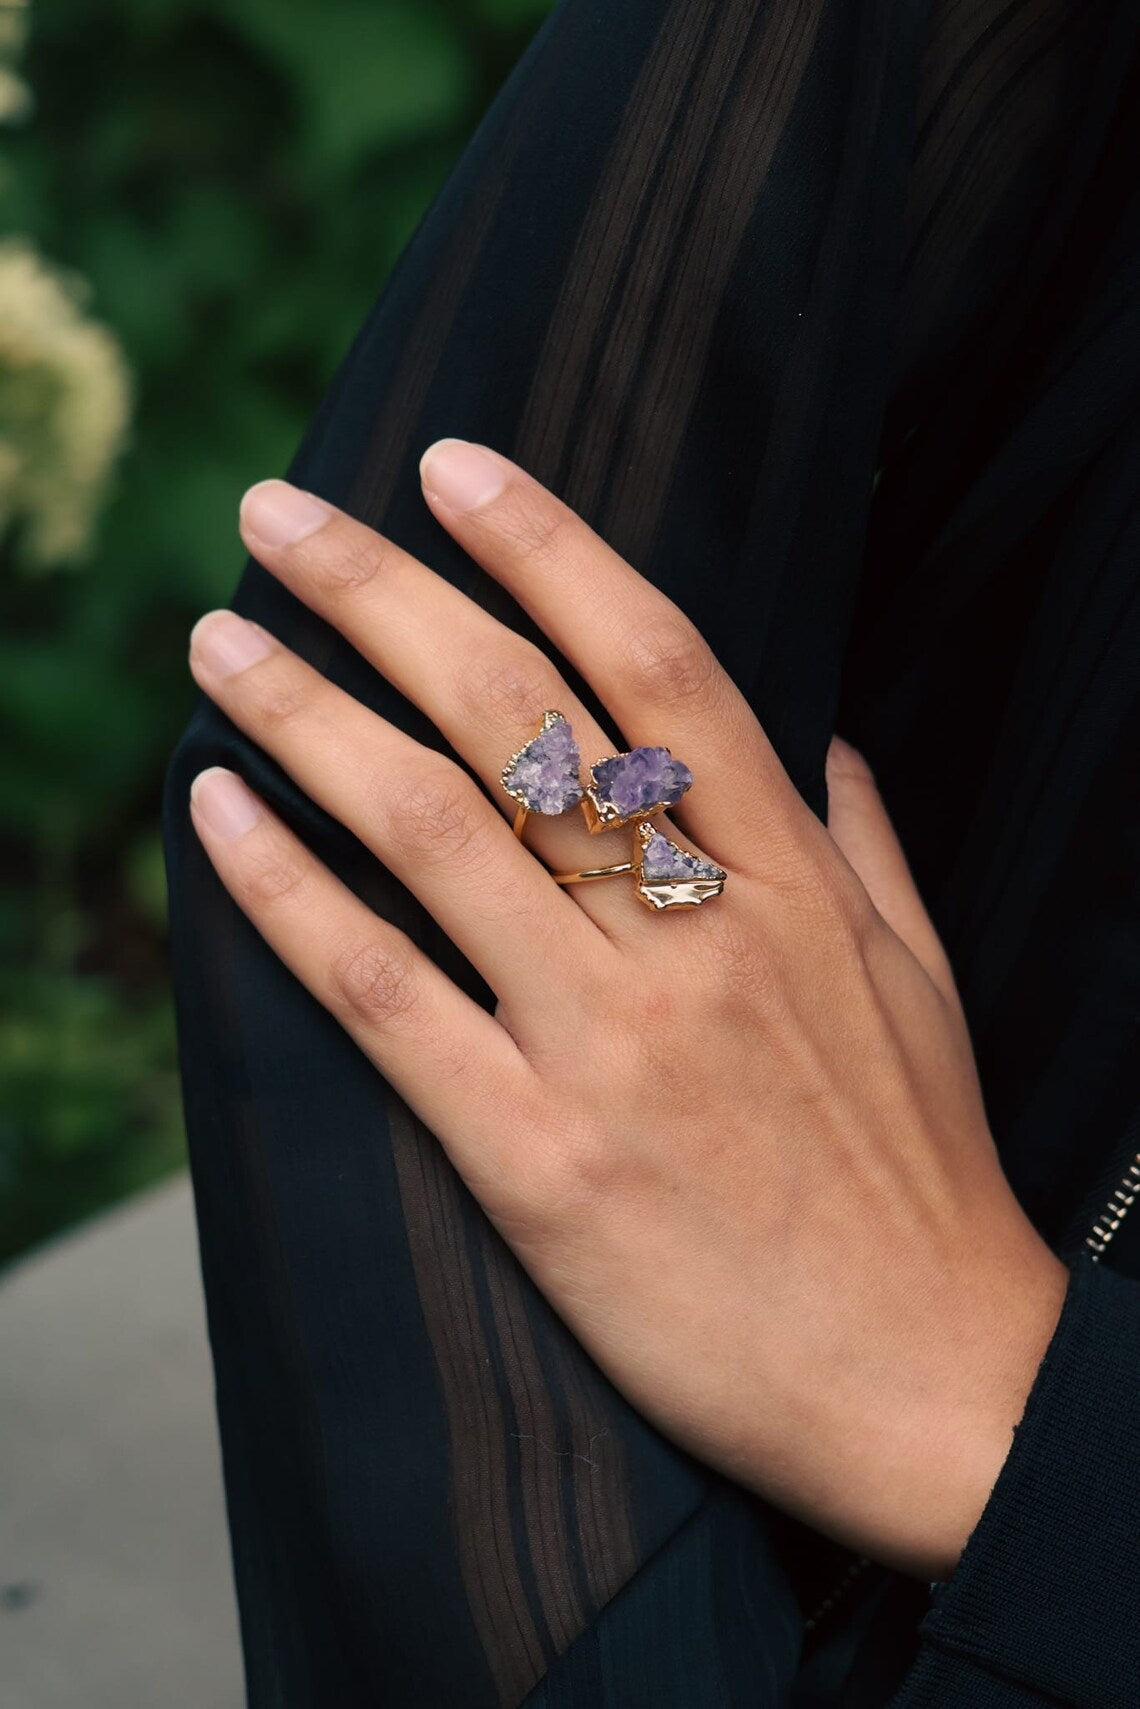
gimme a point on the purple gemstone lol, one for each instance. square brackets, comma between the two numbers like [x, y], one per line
[662, 862]
[544, 776]
[641, 779]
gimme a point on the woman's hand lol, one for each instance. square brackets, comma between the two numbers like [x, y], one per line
[741, 1147]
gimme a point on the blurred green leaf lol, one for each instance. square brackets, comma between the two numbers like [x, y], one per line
[90, 1107]
[145, 875]
[368, 76]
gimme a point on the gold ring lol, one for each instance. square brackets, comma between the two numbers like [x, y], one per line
[626, 788]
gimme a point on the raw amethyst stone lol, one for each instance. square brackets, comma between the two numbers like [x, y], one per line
[544, 775]
[662, 862]
[641, 779]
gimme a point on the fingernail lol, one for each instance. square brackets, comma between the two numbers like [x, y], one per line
[222, 800]
[225, 643]
[462, 475]
[280, 514]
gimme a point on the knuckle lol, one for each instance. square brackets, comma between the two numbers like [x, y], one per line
[270, 877]
[670, 657]
[860, 922]
[374, 982]
[803, 890]
[799, 865]
[349, 558]
[277, 696]
[829, 897]
[534, 528]
[511, 690]
[437, 816]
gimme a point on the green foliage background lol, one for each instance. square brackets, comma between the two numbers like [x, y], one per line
[235, 179]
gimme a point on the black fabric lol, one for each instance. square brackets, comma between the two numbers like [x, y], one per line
[823, 312]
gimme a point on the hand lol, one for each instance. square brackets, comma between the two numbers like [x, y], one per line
[741, 1147]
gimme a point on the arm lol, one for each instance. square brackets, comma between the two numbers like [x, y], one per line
[748, 1161]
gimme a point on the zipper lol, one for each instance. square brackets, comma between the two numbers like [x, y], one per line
[1107, 1200]
[852, 1573]
[1116, 1208]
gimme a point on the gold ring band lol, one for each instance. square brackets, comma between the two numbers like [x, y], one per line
[593, 872]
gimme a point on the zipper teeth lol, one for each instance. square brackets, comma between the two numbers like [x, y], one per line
[837, 1592]
[1119, 1204]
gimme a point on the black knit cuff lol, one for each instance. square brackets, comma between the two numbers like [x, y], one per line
[1047, 1590]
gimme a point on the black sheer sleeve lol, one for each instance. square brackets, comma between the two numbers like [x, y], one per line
[757, 288]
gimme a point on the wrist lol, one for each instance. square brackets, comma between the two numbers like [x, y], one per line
[952, 1453]
[899, 1464]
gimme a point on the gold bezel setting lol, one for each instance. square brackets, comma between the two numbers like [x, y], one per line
[674, 892]
[525, 806]
[602, 814]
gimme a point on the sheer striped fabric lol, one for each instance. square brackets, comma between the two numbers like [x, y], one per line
[823, 312]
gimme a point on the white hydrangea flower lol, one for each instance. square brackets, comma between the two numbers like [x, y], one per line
[65, 402]
[15, 97]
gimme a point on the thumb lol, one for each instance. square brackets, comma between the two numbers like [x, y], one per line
[858, 823]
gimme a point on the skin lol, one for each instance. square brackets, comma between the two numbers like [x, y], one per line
[755, 1174]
